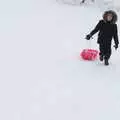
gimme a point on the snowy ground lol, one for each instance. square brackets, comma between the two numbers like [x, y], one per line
[41, 75]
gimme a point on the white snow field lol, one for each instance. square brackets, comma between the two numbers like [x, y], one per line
[41, 74]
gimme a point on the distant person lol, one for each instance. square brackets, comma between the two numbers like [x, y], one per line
[107, 29]
[83, 1]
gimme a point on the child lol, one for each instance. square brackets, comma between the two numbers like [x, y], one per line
[107, 29]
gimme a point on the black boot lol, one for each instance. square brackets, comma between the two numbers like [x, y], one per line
[106, 62]
[101, 57]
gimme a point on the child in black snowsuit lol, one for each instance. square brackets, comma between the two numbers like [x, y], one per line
[107, 29]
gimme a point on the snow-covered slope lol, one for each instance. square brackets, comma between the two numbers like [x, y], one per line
[41, 75]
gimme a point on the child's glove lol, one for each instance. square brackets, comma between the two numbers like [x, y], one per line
[116, 47]
[88, 37]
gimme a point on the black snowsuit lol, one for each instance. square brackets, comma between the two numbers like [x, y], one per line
[107, 31]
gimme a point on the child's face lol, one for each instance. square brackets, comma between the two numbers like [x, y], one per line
[109, 17]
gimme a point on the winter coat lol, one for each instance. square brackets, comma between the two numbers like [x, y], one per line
[107, 30]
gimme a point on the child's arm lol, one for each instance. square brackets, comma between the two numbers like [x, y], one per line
[115, 36]
[96, 29]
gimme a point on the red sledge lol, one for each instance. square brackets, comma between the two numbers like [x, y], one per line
[89, 54]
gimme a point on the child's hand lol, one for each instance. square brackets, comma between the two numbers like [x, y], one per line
[88, 37]
[116, 47]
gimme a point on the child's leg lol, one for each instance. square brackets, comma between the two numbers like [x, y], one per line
[102, 53]
[108, 52]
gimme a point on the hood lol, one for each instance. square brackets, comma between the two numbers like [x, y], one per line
[115, 17]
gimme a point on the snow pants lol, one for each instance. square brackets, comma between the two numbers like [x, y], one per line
[105, 50]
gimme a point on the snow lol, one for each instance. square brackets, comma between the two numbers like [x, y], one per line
[41, 74]
[116, 2]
